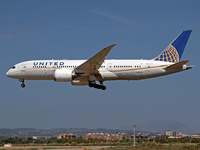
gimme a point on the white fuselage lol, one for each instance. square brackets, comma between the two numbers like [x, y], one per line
[97, 68]
[109, 70]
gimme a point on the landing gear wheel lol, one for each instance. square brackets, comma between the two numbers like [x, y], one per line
[22, 85]
[97, 86]
[22, 81]
[103, 87]
[91, 84]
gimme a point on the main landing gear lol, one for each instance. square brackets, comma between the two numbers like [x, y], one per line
[97, 86]
[22, 85]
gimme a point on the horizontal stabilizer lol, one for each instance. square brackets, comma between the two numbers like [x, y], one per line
[176, 65]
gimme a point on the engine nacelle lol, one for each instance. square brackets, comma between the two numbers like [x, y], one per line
[79, 82]
[62, 75]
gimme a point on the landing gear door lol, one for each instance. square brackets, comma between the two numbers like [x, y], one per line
[109, 66]
[23, 67]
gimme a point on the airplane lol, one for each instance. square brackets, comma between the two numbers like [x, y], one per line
[98, 69]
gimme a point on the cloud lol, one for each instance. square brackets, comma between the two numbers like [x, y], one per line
[13, 34]
[7, 36]
[116, 18]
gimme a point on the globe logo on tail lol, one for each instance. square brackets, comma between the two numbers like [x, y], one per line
[170, 54]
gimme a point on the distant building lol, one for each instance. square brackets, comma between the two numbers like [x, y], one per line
[106, 136]
[170, 133]
[195, 136]
[185, 135]
[41, 137]
[8, 145]
[141, 135]
[126, 136]
[35, 137]
[67, 136]
[159, 135]
[179, 134]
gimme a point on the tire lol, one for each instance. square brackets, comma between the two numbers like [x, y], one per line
[97, 86]
[91, 85]
[22, 85]
[103, 87]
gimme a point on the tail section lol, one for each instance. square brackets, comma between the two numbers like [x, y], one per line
[175, 50]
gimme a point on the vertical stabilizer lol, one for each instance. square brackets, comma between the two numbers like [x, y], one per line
[175, 50]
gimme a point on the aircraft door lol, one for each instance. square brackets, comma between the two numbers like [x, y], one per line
[23, 67]
[109, 66]
[147, 65]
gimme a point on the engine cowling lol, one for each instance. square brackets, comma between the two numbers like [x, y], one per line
[62, 75]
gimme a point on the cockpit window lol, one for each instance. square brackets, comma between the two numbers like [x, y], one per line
[13, 67]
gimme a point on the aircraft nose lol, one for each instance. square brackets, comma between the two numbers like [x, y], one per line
[8, 74]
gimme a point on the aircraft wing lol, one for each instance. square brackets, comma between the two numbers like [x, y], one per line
[91, 65]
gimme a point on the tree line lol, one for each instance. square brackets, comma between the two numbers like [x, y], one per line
[80, 140]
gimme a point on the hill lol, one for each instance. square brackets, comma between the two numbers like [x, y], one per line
[161, 126]
[8, 133]
[29, 132]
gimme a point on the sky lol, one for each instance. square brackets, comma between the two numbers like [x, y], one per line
[60, 29]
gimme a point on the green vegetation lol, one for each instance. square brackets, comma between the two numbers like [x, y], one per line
[156, 147]
[178, 140]
[159, 143]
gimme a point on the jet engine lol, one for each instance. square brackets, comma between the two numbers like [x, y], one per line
[62, 75]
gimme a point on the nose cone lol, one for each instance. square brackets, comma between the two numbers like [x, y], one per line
[8, 74]
[11, 74]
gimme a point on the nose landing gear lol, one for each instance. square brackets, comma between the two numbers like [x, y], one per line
[22, 85]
